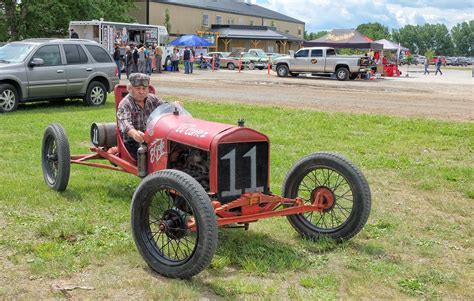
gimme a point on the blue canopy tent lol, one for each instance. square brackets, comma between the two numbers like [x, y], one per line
[191, 40]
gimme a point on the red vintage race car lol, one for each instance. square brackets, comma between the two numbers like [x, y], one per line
[198, 175]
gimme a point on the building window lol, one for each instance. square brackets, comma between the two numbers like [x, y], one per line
[218, 19]
[299, 31]
[241, 21]
[205, 20]
[251, 22]
[230, 21]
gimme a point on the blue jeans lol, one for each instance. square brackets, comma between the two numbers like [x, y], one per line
[118, 68]
[187, 66]
[426, 70]
[148, 67]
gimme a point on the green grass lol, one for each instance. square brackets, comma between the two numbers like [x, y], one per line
[417, 243]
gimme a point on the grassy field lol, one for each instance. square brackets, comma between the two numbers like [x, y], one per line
[417, 243]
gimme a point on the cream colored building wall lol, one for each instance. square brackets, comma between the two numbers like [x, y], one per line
[187, 20]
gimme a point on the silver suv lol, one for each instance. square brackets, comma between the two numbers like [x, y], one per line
[44, 69]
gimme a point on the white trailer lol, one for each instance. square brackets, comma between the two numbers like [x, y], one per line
[109, 33]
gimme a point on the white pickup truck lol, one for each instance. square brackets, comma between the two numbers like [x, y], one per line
[321, 60]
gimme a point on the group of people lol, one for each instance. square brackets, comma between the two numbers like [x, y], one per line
[438, 64]
[139, 59]
[188, 60]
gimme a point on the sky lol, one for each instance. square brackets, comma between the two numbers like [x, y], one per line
[329, 14]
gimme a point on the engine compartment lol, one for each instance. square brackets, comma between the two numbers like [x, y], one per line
[191, 160]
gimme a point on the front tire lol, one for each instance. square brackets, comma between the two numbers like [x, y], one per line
[56, 158]
[282, 70]
[9, 98]
[251, 66]
[342, 73]
[342, 190]
[164, 206]
[96, 94]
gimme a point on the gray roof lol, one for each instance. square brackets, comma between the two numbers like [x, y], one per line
[232, 6]
[253, 32]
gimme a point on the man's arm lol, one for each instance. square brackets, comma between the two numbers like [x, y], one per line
[124, 120]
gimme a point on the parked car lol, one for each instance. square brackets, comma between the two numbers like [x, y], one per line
[224, 60]
[47, 69]
[460, 61]
[435, 59]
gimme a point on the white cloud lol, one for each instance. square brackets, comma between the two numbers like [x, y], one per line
[327, 14]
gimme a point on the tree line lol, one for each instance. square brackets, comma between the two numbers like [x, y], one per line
[420, 39]
[50, 18]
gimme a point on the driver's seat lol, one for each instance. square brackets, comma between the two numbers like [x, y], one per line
[120, 92]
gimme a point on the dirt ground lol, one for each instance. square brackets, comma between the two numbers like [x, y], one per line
[447, 97]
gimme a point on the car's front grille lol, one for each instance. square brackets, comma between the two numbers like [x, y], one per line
[242, 167]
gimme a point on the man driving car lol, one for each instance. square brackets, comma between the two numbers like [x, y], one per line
[134, 110]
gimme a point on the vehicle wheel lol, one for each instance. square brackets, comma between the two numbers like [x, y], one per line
[282, 70]
[342, 73]
[251, 66]
[163, 206]
[55, 157]
[294, 74]
[96, 94]
[9, 98]
[230, 66]
[339, 186]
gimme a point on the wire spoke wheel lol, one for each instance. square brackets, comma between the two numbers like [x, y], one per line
[56, 157]
[337, 187]
[173, 224]
[168, 226]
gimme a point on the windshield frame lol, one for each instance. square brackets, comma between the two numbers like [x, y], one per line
[166, 109]
[15, 53]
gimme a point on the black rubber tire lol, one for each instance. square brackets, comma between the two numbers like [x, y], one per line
[294, 74]
[9, 98]
[192, 202]
[55, 157]
[251, 66]
[342, 73]
[96, 94]
[282, 70]
[349, 188]
[230, 66]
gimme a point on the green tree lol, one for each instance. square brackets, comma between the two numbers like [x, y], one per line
[463, 38]
[308, 36]
[429, 54]
[420, 38]
[167, 22]
[48, 18]
[375, 31]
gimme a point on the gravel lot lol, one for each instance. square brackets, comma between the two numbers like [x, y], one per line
[448, 97]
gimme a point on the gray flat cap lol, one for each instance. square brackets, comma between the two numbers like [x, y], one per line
[139, 79]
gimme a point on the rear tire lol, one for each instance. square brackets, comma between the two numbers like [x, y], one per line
[230, 66]
[96, 94]
[9, 98]
[251, 66]
[56, 158]
[163, 206]
[342, 73]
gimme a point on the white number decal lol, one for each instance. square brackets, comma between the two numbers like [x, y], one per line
[95, 138]
[252, 153]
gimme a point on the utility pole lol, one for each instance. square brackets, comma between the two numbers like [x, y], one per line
[147, 11]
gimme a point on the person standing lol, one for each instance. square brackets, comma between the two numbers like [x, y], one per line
[438, 65]
[175, 60]
[135, 56]
[141, 60]
[158, 58]
[128, 61]
[191, 61]
[148, 54]
[186, 58]
[117, 60]
[427, 64]
[74, 34]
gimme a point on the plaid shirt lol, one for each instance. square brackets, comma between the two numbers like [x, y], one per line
[132, 116]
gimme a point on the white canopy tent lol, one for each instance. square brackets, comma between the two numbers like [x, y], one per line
[389, 45]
